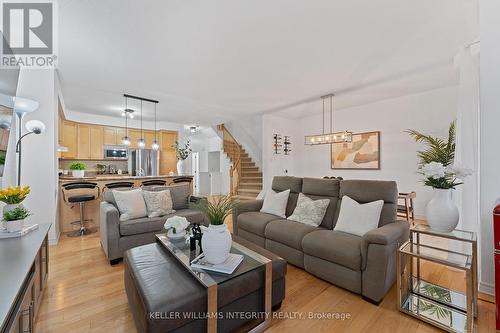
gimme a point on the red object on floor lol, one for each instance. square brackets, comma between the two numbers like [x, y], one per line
[496, 237]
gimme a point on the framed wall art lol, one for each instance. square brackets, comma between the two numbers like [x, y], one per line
[362, 153]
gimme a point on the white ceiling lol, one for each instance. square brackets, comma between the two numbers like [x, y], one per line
[213, 61]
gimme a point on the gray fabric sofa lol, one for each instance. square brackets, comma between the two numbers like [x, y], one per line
[118, 236]
[365, 265]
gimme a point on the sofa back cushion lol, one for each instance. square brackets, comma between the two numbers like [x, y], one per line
[180, 194]
[108, 196]
[364, 191]
[294, 184]
[317, 188]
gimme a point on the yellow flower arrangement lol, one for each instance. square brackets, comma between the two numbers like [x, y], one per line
[14, 195]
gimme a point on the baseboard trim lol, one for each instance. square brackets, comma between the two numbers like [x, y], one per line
[487, 288]
[54, 241]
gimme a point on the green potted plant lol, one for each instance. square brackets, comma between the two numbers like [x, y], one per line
[216, 242]
[14, 219]
[78, 169]
[182, 152]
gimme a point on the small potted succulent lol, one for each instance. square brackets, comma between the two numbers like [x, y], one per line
[14, 219]
[78, 169]
[13, 197]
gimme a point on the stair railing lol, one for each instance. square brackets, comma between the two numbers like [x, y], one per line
[233, 151]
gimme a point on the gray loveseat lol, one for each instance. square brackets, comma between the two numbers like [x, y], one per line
[118, 236]
[365, 265]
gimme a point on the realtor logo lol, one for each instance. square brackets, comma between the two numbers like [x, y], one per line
[28, 28]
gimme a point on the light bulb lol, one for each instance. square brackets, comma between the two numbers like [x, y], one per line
[35, 126]
[141, 143]
[126, 140]
[155, 145]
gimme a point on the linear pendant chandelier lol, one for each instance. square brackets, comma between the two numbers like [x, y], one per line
[141, 143]
[331, 137]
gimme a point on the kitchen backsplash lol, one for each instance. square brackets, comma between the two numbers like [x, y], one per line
[92, 165]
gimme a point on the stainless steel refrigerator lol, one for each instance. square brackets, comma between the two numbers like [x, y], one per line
[143, 162]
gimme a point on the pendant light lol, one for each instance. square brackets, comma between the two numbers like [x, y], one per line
[127, 113]
[331, 137]
[155, 145]
[141, 143]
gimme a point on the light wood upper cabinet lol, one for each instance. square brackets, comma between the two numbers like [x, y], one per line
[96, 142]
[120, 133]
[149, 136]
[134, 136]
[110, 136]
[168, 159]
[69, 138]
[83, 141]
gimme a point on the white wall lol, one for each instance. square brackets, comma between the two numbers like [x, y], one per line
[489, 137]
[248, 132]
[39, 160]
[430, 112]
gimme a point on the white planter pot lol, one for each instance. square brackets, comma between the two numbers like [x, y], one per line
[78, 173]
[181, 167]
[10, 207]
[177, 236]
[13, 226]
[442, 214]
[216, 243]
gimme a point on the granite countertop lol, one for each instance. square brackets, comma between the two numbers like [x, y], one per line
[16, 258]
[96, 177]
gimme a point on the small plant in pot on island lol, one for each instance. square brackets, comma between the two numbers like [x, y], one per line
[436, 165]
[182, 153]
[14, 219]
[216, 241]
[13, 197]
[78, 169]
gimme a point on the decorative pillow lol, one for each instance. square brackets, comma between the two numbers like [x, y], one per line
[275, 203]
[158, 203]
[130, 204]
[309, 211]
[358, 219]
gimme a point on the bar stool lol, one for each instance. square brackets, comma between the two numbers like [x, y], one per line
[115, 185]
[154, 182]
[80, 197]
[182, 180]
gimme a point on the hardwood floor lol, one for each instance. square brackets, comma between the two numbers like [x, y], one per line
[86, 294]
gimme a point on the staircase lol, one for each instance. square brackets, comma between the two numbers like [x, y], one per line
[246, 177]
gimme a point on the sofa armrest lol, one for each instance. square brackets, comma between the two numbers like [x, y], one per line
[110, 230]
[243, 207]
[378, 254]
[389, 233]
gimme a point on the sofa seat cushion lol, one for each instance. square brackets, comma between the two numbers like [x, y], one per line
[147, 225]
[255, 222]
[288, 232]
[335, 246]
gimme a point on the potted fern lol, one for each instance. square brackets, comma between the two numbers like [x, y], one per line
[436, 165]
[216, 242]
[14, 219]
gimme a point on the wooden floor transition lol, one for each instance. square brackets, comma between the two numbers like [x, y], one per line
[86, 294]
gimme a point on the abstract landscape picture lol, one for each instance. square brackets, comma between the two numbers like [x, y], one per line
[362, 153]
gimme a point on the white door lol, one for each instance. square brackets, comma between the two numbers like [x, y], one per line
[195, 171]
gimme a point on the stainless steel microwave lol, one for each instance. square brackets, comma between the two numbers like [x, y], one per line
[115, 153]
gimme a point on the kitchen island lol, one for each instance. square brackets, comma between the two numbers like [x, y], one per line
[70, 213]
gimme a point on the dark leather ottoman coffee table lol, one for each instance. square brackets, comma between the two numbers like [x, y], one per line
[164, 296]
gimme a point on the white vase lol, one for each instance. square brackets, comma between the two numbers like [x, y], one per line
[10, 207]
[13, 226]
[78, 173]
[177, 236]
[442, 213]
[216, 243]
[181, 166]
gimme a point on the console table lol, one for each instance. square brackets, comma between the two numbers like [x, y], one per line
[437, 305]
[24, 264]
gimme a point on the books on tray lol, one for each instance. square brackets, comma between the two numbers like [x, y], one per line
[227, 267]
[27, 228]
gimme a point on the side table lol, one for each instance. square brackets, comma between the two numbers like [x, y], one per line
[447, 309]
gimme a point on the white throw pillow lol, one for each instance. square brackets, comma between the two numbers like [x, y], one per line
[158, 203]
[130, 204]
[358, 219]
[309, 211]
[275, 203]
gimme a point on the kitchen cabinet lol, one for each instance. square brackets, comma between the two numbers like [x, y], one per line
[168, 158]
[149, 136]
[96, 142]
[120, 133]
[83, 141]
[69, 139]
[110, 137]
[134, 135]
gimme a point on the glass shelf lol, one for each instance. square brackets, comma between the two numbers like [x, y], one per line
[448, 258]
[460, 235]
